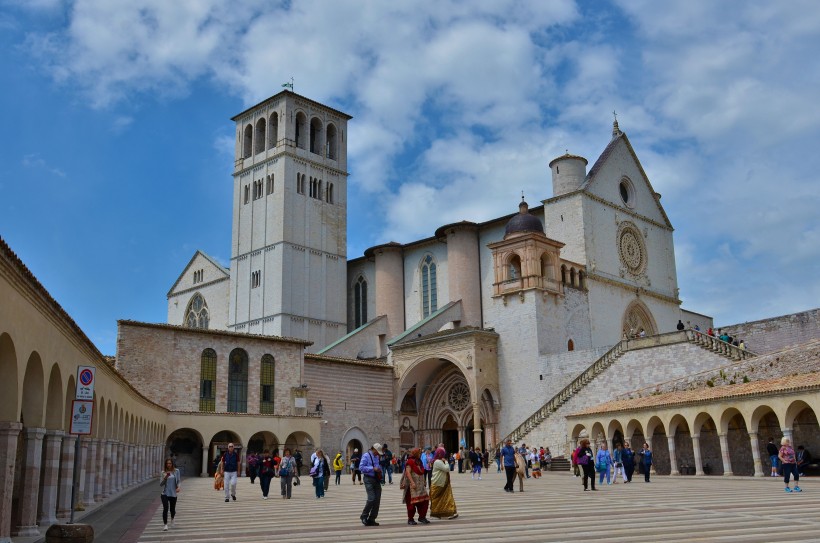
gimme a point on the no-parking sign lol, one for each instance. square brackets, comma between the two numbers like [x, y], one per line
[85, 383]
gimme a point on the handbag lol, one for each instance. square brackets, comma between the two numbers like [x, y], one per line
[314, 471]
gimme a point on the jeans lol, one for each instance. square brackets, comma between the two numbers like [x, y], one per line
[168, 501]
[788, 469]
[286, 483]
[319, 485]
[498, 465]
[387, 473]
[230, 484]
[338, 476]
[646, 469]
[775, 462]
[373, 487]
[601, 475]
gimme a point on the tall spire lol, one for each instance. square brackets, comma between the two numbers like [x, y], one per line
[616, 130]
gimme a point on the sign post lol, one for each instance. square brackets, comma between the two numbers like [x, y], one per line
[82, 417]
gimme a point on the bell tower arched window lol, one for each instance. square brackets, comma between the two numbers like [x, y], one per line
[247, 143]
[429, 295]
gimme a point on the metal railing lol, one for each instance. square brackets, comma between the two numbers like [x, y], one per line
[718, 345]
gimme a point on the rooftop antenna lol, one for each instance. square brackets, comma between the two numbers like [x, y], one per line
[289, 85]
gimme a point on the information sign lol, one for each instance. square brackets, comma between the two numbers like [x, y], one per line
[81, 416]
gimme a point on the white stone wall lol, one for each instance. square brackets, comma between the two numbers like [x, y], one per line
[214, 287]
[564, 221]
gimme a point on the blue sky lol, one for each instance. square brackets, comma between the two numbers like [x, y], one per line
[116, 144]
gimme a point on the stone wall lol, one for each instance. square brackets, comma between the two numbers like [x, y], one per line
[770, 335]
[354, 395]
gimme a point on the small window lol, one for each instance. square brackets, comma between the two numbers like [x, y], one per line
[269, 185]
[627, 192]
[256, 279]
[247, 193]
[570, 345]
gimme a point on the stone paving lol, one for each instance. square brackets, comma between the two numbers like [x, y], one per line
[553, 508]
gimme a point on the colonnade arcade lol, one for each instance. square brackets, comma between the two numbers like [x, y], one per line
[712, 439]
[37, 452]
[193, 458]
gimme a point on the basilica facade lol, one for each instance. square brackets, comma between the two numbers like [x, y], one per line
[480, 321]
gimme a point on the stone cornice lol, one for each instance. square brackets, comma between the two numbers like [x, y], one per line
[283, 153]
[273, 245]
[592, 276]
[199, 286]
[466, 337]
[625, 211]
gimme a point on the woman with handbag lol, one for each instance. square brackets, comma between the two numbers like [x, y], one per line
[317, 472]
[584, 458]
[169, 481]
[442, 503]
[414, 489]
[266, 473]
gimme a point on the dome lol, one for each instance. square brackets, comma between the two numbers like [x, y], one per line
[523, 222]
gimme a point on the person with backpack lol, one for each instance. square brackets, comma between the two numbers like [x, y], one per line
[253, 466]
[287, 471]
[386, 460]
[584, 458]
[338, 466]
[317, 472]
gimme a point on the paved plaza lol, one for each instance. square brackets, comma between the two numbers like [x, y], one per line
[554, 508]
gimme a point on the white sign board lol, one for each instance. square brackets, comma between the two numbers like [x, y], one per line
[82, 413]
[300, 402]
[85, 382]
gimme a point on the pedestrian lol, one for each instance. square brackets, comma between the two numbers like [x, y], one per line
[287, 471]
[460, 459]
[338, 466]
[498, 460]
[355, 458]
[603, 463]
[508, 459]
[442, 502]
[169, 482]
[680, 325]
[414, 489]
[524, 454]
[773, 452]
[788, 464]
[547, 459]
[646, 461]
[325, 472]
[253, 466]
[317, 471]
[371, 468]
[573, 459]
[219, 477]
[618, 463]
[266, 473]
[297, 456]
[584, 458]
[628, 459]
[520, 469]
[476, 460]
[387, 458]
[427, 462]
[230, 467]
[535, 460]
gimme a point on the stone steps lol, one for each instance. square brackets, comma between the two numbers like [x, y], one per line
[552, 508]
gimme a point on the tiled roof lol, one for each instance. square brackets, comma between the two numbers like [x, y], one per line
[179, 328]
[375, 362]
[792, 383]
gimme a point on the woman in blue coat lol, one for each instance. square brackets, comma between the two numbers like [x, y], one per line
[603, 464]
[628, 459]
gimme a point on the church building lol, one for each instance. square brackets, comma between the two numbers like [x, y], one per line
[480, 322]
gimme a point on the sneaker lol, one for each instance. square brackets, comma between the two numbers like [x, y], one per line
[173, 524]
[412, 522]
[227, 500]
[233, 496]
[165, 528]
[425, 521]
[798, 489]
[264, 497]
[788, 489]
[364, 520]
[448, 518]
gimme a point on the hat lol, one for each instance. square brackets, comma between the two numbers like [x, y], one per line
[377, 447]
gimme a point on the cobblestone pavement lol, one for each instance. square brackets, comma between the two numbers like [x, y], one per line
[553, 508]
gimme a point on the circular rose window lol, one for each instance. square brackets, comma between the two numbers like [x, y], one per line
[459, 396]
[632, 249]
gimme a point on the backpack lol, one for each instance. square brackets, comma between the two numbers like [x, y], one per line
[284, 470]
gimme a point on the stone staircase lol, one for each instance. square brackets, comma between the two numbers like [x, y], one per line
[704, 341]
[568, 392]
[718, 346]
[559, 463]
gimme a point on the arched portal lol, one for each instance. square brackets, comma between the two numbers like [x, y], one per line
[184, 446]
[637, 318]
[218, 445]
[262, 441]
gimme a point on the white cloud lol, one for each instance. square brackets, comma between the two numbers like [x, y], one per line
[35, 161]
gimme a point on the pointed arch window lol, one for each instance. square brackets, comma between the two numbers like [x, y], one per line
[273, 130]
[207, 381]
[196, 314]
[238, 381]
[360, 301]
[267, 375]
[429, 295]
[247, 142]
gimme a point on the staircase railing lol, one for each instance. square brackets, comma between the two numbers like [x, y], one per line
[718, 345]
[568, 391]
